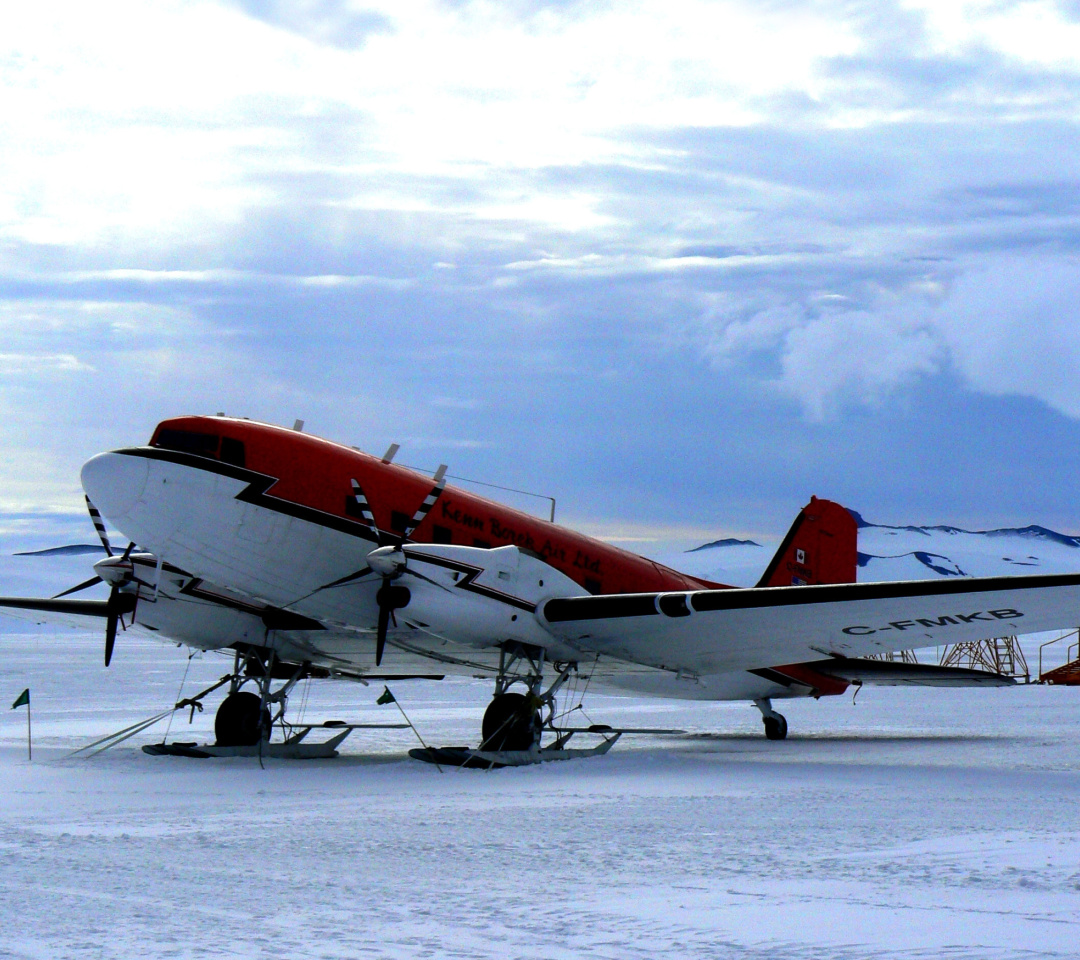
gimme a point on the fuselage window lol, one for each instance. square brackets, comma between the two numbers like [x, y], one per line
[203, 444]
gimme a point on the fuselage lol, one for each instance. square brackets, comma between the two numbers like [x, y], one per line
[265, 523]
[313, 476]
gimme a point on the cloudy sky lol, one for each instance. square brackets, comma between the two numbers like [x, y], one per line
[678, 264]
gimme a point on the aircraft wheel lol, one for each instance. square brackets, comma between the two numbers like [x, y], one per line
[236, 723]
[775, 726]
[509, 724]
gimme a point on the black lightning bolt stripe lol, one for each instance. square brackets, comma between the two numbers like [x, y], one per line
[256, 490]
[256, 493]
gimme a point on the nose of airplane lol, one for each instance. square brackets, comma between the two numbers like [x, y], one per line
[114, 482]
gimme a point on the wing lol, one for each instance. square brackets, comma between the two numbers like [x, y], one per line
[72, 613]
[714, 631]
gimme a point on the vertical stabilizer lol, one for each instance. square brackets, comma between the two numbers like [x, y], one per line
[820, 547]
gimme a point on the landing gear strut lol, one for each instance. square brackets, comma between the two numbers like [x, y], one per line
[237, 722]
[512, 720]
[244, 717]
[775, 723]
[515, 722]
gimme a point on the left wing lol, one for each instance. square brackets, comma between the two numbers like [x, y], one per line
[715, 631]
[72, 613]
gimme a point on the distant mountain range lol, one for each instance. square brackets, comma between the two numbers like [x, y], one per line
[726, 542]
[71, 550]
[1030, 532]
[909, 552]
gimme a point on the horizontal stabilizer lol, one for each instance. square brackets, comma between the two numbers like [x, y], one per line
[893, 673]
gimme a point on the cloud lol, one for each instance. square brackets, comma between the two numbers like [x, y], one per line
[681, 233]
[337, 23]
[856, 356]
[1012, 326]
[16, 364]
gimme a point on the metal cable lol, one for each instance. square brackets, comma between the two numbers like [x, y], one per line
[183, 680]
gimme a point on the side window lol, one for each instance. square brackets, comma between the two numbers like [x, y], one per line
[442, 534]
[593, 586]
[482, 544]
[398, 521]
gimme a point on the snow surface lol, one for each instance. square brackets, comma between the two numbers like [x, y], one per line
[904, 823]
[912, 823]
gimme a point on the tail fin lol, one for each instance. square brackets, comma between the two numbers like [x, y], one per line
[820, 547]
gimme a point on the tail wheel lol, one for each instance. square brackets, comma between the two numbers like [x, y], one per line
[510, 723]
[237, 722]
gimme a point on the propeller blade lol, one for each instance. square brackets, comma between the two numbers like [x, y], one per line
[120, 602]
[127, 551]
[364, 509]
[390, 597]
[78, 587]
[380, 634]
[348, 578]
[99, 525]
[110, 634]
[429, 501]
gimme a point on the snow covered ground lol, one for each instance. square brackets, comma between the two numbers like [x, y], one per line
[912, 823]
[904, 824]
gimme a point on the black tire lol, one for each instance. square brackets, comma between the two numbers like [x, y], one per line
[236, 723]
[509, 724]
[775, 727]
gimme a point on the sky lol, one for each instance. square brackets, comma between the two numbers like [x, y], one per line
[679, 265]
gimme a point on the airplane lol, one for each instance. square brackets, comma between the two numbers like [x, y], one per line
[306, 558]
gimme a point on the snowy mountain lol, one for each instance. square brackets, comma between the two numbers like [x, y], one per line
[904, 553]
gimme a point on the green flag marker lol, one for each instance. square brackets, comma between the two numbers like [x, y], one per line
[24, 701]
[387, 697]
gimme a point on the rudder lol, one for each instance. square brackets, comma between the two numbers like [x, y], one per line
[820, 547]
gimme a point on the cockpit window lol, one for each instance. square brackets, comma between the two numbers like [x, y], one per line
[225, 449]
[204, 444]
[232, 451]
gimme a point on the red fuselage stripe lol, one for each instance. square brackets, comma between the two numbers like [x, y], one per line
[317, 475]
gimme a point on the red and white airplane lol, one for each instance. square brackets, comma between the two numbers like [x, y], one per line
[307, 558]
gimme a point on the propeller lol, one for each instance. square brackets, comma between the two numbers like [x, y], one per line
[121, 600]
[99, 525]
[390, 563]
[388, 560]
[78, 587]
